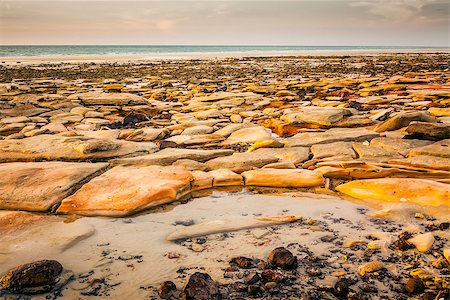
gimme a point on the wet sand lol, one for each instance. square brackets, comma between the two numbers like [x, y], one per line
[133, 257]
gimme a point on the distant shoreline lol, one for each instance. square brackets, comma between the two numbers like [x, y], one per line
[128, 58]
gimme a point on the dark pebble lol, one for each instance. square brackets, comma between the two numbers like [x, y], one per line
[283, 258]
[415, 286]
[166, 289]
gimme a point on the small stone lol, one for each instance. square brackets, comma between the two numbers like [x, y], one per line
[272, 276]
[368, 288]
[35, 274]
[415, 286]
[166, 289]
[423, 242]
[328, 238]
[283, 258]
[255, 290]
[341, 287]
[243, 262]
[270, 285]
[446, 252]
[370, 267]
[402, 242]
[200, 286]
[196, 247]
[252, 278]
[314, 271]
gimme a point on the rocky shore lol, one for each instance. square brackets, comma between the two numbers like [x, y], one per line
[313, 178]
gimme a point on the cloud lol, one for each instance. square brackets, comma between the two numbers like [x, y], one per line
[295, 22]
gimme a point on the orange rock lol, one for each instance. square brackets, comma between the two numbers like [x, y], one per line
[122, 191]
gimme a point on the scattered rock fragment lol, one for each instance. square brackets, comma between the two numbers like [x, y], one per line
[370, 267]
[423, 242]
[415, 286]
[24, 278]
[167, 289]
[200, 286]
[283, 258]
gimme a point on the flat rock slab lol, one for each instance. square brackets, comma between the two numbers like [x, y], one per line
[402, 146]
[307, 139]
[441, 148]
[39, 186]
[100, 98]
[76, 148]
[418, 191]
[424, 161]
[283, 178]
[239, 162]
[368, 152]
[293, 155]
[333, 149]
[248, 135]
[170, 155]
[122, 191]
[316, 115]
[428, 131]
[15, 221]
[402, 119]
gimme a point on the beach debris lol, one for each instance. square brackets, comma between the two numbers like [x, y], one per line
[39, 274]
[283, 258]
[200, 286]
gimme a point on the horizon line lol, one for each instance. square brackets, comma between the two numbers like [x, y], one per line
[215, 45]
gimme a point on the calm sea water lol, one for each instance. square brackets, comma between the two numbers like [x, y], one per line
[103, 50]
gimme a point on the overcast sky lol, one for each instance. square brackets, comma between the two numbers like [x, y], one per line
[295, 22]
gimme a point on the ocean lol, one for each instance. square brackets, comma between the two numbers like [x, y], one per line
[142, 49]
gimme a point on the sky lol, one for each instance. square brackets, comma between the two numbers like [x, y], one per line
[227, 22]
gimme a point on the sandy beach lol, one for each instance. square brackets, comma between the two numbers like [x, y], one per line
[313, 175]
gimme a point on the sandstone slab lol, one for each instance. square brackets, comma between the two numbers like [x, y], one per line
[428, 131]
[76, 148]
[283, 178]
[424, 161]
[101, 98]
[293, 155]
[248, 135]
[403, 119]
[402, 146]
[168, 156]
[332, 135]
[441, 148]
[239, 162]
[122, 191]
[342, 149]
[40, 186]
[409, 190]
